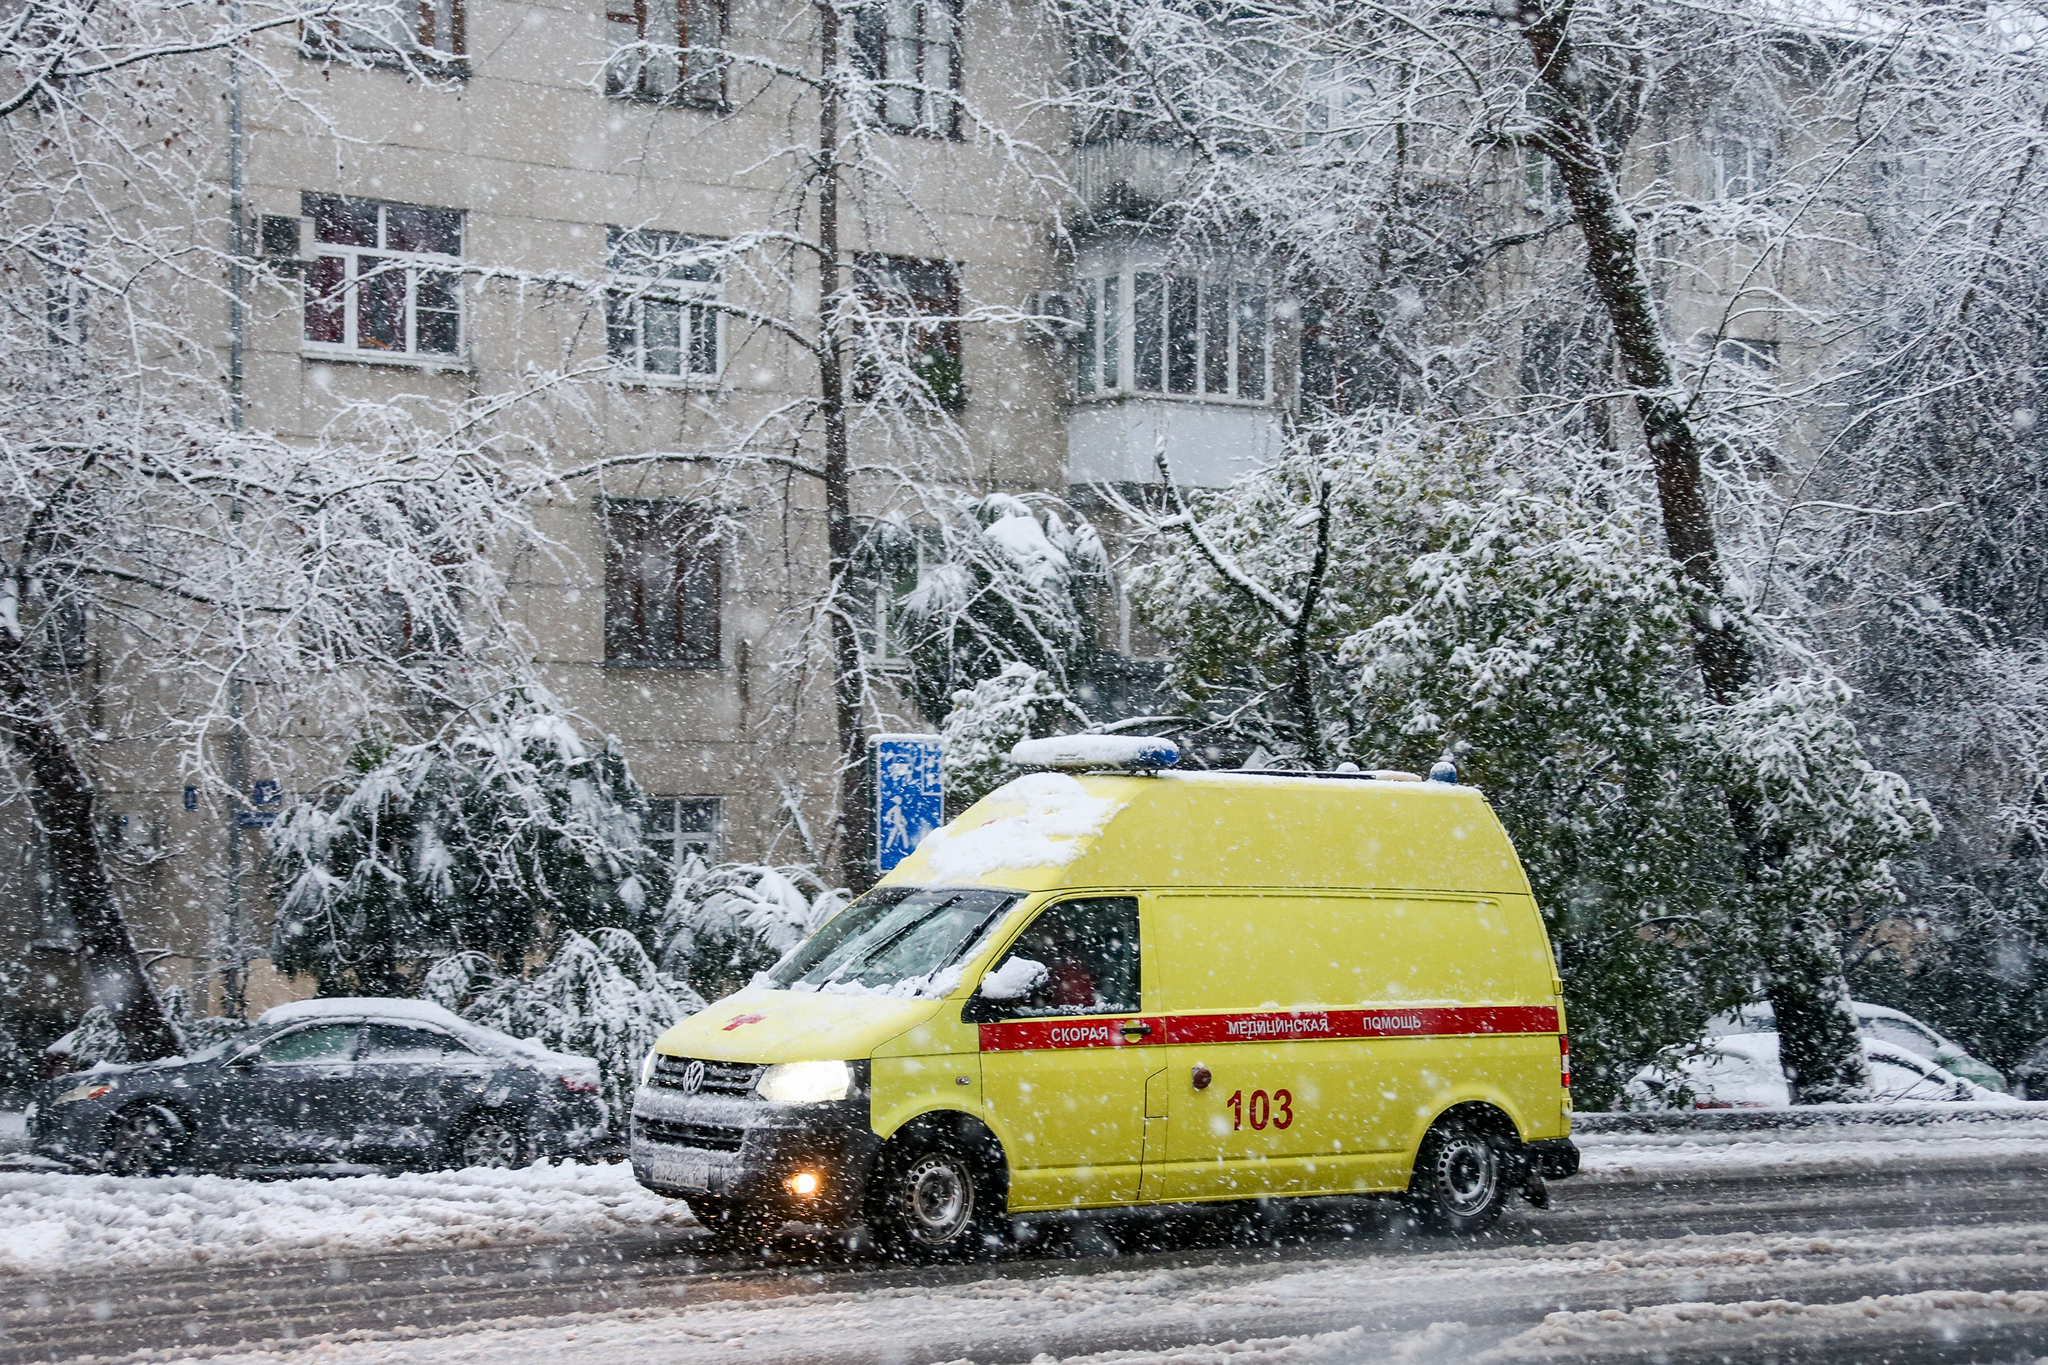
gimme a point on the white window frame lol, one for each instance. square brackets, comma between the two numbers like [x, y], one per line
[692, 300]
[670, 838]
[897, 34]
[414, 264]
[1108, 339]
[1743, 162]
[886, 646]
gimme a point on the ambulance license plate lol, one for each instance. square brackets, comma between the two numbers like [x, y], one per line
[685, 1170]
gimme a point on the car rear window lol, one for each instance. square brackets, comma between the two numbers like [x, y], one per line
[395, 1043]
[324, 1043]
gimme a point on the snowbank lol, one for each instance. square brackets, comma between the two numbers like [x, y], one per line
[69, 1223]
[1745, 1141]
[1760, 1324]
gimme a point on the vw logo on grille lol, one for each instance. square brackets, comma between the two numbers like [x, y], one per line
[693, 1078]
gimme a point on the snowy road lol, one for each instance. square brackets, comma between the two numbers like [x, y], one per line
[1670, 1253]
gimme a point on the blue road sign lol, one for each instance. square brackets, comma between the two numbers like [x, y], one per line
[909, 795]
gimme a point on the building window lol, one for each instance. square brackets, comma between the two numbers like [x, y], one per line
[385, 279]
[63, 636]
[1544, 187]
[661, 584]
[1741, 162]
[1199, 336]
[428, 31]
[911, 49]
[680, 828]
[911, 324]
[669, 51]
[654, 323]
[890, 567]
[1738, 357]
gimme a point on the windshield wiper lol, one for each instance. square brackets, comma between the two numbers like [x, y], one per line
[871, 954]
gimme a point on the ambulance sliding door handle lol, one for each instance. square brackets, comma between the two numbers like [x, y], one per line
[1141, 1030]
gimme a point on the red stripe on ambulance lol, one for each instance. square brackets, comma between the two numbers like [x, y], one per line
[1032, 1035]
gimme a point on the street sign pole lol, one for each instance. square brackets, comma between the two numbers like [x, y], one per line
[909, 795]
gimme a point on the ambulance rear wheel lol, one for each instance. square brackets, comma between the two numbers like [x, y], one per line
[936, 1198]
[1462, 1177]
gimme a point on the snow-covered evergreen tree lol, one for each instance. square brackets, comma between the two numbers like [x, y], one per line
[1503, 601]
[989, 719]
[727, 922]
[600, 996]
[504, 834]
[98, 1038]
[1011, 583]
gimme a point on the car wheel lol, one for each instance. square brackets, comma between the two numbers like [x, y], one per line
[491, 1140]
[937, 1199]
[147, 1139]
[1462, 1178]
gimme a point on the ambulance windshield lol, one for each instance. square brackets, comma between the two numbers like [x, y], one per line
[896, 940]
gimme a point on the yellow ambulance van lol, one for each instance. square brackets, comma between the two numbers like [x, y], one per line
[1110, 984]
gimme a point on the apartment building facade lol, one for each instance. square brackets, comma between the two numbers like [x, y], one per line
[608, 216]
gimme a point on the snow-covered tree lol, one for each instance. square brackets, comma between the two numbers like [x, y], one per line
[991, 718]
[599, 996]
[725, 923]
[850, 285]
[158, 560]
[1502, 603]
[1012, 582]
[1660, 229]
[507, 833]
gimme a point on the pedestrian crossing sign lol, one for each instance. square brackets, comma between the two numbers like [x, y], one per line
[909, 795]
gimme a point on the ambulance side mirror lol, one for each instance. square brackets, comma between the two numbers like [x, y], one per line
[1013, 983]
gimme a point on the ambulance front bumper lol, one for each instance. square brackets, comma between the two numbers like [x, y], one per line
[743, 1152]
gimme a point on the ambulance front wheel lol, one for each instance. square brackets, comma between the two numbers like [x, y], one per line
[937, 1196]
[1463, 1174]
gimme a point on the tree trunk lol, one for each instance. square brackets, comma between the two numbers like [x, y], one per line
[1823, 1056]
[842, 538]
[1307, 712]
[1817, 1034]
[113, 968]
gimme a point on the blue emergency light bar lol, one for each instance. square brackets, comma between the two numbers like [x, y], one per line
[1070, 753]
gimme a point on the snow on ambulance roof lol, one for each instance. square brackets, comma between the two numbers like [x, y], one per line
[420, 1012]
[1212, 829]
[1057, 815]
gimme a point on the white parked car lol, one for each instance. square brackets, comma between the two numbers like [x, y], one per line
[1877, 1024]
[1741, 1071]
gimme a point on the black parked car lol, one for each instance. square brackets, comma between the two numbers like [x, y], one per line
[326, 1083]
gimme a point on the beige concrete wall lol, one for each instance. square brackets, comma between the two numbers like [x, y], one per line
[540, 162]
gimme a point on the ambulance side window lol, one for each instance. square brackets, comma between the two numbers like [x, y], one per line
[1089, 949]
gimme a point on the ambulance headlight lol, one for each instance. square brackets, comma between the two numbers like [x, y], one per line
[647, 1065]
[805, 1082]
